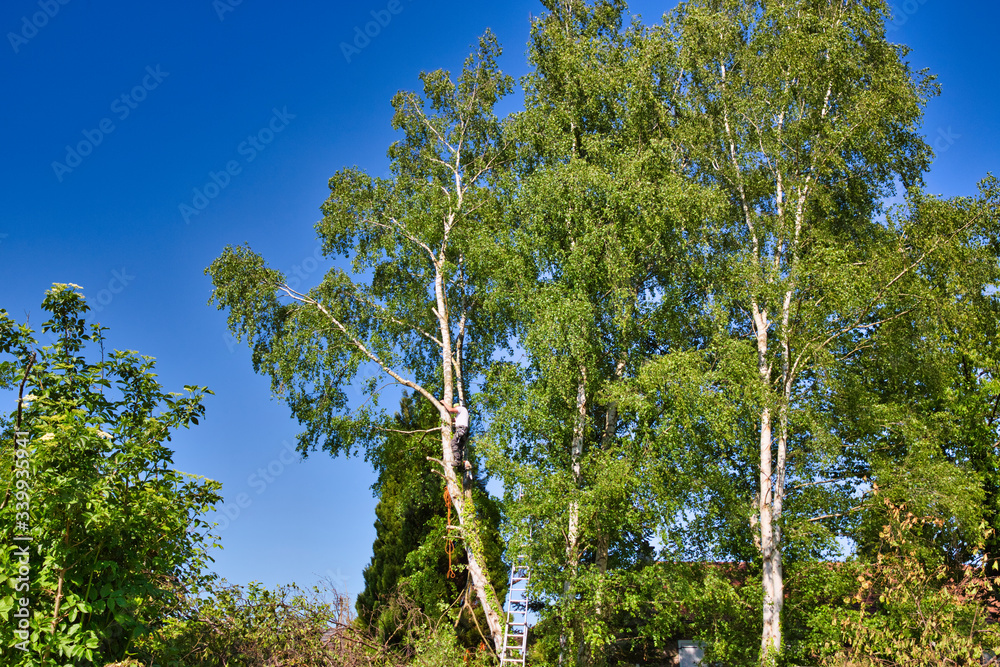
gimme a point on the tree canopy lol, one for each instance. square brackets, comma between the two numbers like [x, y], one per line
[688, 324]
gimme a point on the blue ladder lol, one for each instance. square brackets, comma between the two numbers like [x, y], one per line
[515, 639]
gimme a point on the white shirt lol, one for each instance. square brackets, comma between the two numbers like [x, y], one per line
[462, 418]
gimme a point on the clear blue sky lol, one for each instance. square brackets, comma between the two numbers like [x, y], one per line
[198, 81]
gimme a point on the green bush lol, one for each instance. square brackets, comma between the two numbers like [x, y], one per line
[107, 534]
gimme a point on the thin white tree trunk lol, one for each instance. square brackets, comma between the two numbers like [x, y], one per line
[769, 537]
[573, 527]
[576, 453]
[460, 498]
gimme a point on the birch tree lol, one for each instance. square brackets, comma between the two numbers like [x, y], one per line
[597, 215]
[415, 306]
[804, 118]
[923, 395]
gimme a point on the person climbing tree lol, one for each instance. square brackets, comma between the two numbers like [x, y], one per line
[461, 434]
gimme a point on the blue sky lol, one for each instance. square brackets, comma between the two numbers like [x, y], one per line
[253, 106]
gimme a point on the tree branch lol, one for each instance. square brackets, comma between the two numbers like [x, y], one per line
[392, 430]
[358, 345]
[837, 515]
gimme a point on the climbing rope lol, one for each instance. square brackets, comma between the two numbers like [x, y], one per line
[449, 546]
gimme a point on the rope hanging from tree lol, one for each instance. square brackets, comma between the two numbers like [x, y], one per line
[449, 546]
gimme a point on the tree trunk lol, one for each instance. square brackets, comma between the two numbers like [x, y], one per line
[603, 538]
[769, 536]
[573, 528]
[610, 429]
[476, 557]
[461, 498]
[576, 452]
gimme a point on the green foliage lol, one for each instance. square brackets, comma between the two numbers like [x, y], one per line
[256, 627]
[802, 116]
[406, 235]
[907, 609]
[729, 342]
[705, 283]
[637, 616]
[410, 498]
[116, 534]
[595, 229]
[439, 647]
[918, 404]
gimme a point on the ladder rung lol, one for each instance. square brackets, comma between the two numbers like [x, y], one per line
[516, 633]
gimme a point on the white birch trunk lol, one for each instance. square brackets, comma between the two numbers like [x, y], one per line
[769, 535]
[461, 498]
[576, 453]
[573, 527]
